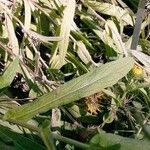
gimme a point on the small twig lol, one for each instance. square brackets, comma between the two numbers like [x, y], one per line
[8, 50]
[70, 141]
[43, 79]
[71, 118]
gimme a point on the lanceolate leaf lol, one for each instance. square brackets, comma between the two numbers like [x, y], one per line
[27, 21]
[116, 37]
[85, 85]
[111, 10]
[13, 41]
[8, 75]
[65, 31]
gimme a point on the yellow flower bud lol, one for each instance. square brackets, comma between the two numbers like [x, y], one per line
[137, 70]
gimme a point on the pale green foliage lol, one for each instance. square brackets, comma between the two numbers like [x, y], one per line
[71, 51]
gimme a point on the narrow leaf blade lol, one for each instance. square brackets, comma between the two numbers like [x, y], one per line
[13, 41]
[8, 75]
[85, 85]
[65, 30]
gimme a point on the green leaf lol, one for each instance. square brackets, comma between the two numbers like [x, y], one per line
[145, 44]
[116, 37]
[108, 9]
[8, 75]
[65, 32]
[79, 37]
[17, 141]
[13, 41]
[143, 58]
[27, 20]
[84, 54]
[85, 85]
[114, 142]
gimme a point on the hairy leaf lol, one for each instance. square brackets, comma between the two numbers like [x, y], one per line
[85, 85]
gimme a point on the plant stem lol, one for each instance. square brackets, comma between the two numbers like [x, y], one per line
[138, 23]
[70, 141]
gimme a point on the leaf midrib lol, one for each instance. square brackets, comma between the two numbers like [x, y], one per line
[44, 97]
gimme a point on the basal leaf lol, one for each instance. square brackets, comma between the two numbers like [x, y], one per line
[85, 85]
